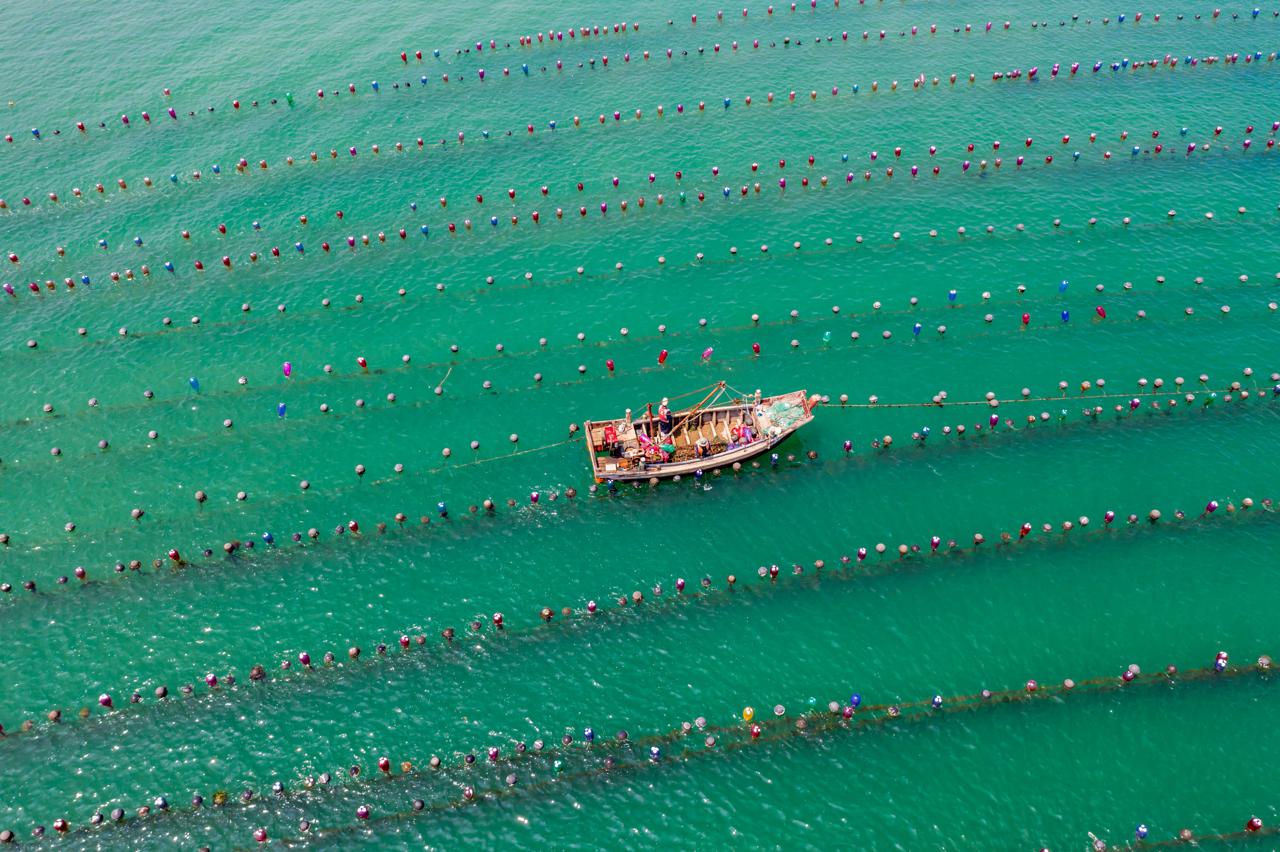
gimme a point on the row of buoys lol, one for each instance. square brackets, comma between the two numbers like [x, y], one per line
[600, 755]
[1024, 320]
[662, 332]
[260, 673]
[275, 254]
[847, 564]
[244, 166]
[758, 729]
[555, 36]
[248, 315]
[351, 246]
[399, 473]
[397, 402]
[1090, 392]
[375, 87]
[1060, 317]
[58, 453]
[1144, 398]
[750, 173]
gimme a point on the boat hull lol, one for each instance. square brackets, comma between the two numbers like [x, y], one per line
[606, 467]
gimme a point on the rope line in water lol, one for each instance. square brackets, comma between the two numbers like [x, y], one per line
[682, 194]
[848, 567]
[361, 308]
[123, 124]
[243, 165]
[687, 181]
[625, 752]
[786, 726]
[879, 444]
[662, 334]
[303, 546]
[402, 473]
[241, 391]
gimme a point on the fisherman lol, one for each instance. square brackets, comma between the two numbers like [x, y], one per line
[665, 422]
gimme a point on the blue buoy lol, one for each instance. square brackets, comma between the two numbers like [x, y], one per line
[726, 103]
[217, 169]
[442, 509]
[1066, 316]
[915, 329]
[280, 409]
[855, 700]
[268, 538]
[1062, 285]
[195, 384]
[774, 458]
[493, 220]
[137, 241]
[102, 243]
[376, 88]
[844, 158]
[299, 247]
[951, 295]
[425, 230]
[168, 265]
[173, 178]
[84, 279]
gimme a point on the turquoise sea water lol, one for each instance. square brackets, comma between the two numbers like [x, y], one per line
[1084, 276]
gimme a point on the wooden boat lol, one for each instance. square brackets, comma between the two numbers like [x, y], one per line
[725, 427]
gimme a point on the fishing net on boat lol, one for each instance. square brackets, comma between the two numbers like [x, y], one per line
[784, 414]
